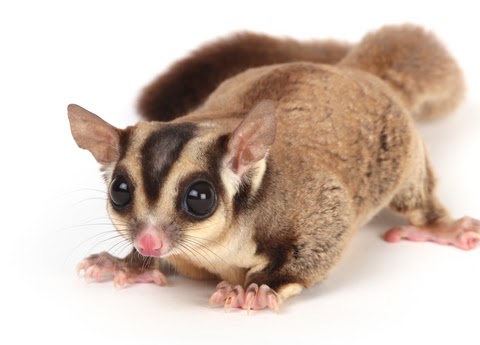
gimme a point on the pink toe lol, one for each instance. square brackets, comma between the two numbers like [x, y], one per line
[235, 298]
[89, 274]
[218, 297]
[469, 240]
[393, 235]
[272, 302]
[159, 278]
[120, 279]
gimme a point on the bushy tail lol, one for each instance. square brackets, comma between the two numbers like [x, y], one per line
[408, 58]
[415, 64]
[189, 81]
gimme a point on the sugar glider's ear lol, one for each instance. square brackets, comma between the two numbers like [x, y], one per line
[250, 141]
[94, 134]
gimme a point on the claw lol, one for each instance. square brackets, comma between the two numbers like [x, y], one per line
[228, 303]
[272, 301]
[249, 299]
[234, 298]
[250, 296]
[222, 290]
[120, 279]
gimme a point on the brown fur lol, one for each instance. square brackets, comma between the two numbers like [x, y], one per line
[415, 65]
[345, 147]
[188, 82]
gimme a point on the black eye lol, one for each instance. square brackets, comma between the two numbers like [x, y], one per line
[120, 193]
[200, 199]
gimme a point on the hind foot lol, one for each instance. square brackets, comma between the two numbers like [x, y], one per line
[463, 233]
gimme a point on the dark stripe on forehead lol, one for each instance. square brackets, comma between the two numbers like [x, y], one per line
[159, 152]
[124, 143]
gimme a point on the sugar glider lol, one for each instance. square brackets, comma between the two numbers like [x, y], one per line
[261, 157]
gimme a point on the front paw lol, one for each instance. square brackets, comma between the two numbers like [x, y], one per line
[253, 297]
[104, 267]
[99, 267]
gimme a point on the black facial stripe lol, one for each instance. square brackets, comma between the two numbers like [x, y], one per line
[159, 152]
[242, 199]
[245, 199]
[214, 158]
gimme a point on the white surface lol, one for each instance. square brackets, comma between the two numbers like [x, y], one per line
[100, 55]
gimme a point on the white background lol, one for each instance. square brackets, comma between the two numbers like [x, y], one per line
[100, 55]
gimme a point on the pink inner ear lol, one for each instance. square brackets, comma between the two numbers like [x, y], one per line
[105, 149]
[247, 157]
[251, 140]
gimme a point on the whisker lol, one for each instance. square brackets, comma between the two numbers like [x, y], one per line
[96, 235]
[109, 220]
[73, 227]
[109, 250]
[88, 199]
[103, 233]
[182, 252]
[144, 262]
[121, 248]
[86, 190]
[202, 246]
[99, 242]
[208, 240]
[138, 255]
[193, 253]
[172, 267]
[77, 191]
[192, 250]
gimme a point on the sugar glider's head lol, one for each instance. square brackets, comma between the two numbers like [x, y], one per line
[172, 186]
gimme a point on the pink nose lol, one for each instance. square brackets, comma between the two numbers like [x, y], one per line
[148, 245]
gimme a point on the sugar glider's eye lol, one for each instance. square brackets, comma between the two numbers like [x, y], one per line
[120, 193]
[200, 199]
